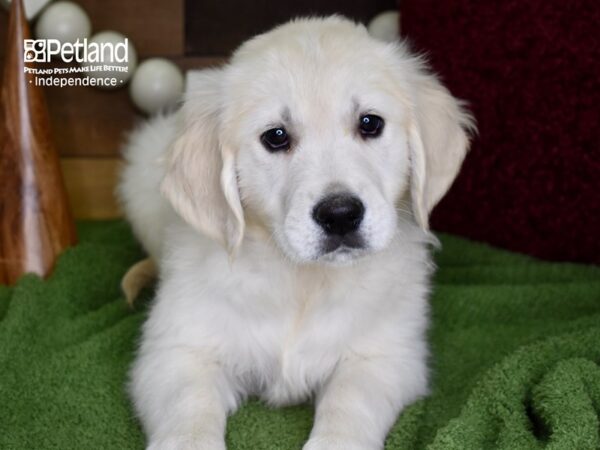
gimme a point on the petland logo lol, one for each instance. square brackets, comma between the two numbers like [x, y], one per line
[103, 64]
[42, 51]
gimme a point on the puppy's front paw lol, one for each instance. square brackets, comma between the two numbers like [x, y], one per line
[186, 443]
[337, 443]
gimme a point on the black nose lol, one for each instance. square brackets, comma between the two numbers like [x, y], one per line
[339, 214]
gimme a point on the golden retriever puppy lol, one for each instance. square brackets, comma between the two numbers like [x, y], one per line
[286, 205]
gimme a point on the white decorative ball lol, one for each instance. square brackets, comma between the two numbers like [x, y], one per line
[385, 26]
[32, 7]
[111, 59]
[65, 21]
[156, 85]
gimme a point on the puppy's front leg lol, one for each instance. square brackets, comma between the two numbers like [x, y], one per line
[182, 397]
[361, 401]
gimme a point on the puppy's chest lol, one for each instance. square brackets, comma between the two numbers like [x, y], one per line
[304, 339]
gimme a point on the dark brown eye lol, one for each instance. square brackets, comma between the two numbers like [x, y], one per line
[275, 140]
[370, 126]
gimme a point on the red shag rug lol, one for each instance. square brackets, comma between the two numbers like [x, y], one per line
[531, 72]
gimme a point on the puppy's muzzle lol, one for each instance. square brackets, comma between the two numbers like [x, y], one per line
[340, 216]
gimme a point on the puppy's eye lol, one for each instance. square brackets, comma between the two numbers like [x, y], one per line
[275, 140]
[370, 126]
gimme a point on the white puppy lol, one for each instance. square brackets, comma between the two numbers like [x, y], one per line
[297, 267]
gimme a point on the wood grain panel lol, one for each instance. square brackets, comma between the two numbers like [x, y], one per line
[154, 26]
[89, 121]
[3, 33]
[92, 122]
[217, 27]
[91, 185]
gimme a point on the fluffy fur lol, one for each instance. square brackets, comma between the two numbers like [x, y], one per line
[249, 303]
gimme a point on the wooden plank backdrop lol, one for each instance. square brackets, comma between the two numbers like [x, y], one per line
[216, 27]
[89, 124]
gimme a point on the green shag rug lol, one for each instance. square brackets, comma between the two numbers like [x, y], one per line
[516, 354]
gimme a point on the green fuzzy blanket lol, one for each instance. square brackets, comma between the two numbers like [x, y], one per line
[516, 354]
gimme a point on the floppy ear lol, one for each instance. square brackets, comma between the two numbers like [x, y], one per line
[438, 141]
[200, 180]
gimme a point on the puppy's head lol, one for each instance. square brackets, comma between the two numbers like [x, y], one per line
[319, 135]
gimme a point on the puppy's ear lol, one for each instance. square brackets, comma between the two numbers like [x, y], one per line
[200, 180]
[438, 139]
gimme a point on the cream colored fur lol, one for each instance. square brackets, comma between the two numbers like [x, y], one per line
[248, 302]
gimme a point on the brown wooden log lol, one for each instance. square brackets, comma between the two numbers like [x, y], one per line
[35, 221]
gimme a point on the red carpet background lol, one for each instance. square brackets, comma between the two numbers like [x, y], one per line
[530, 71]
